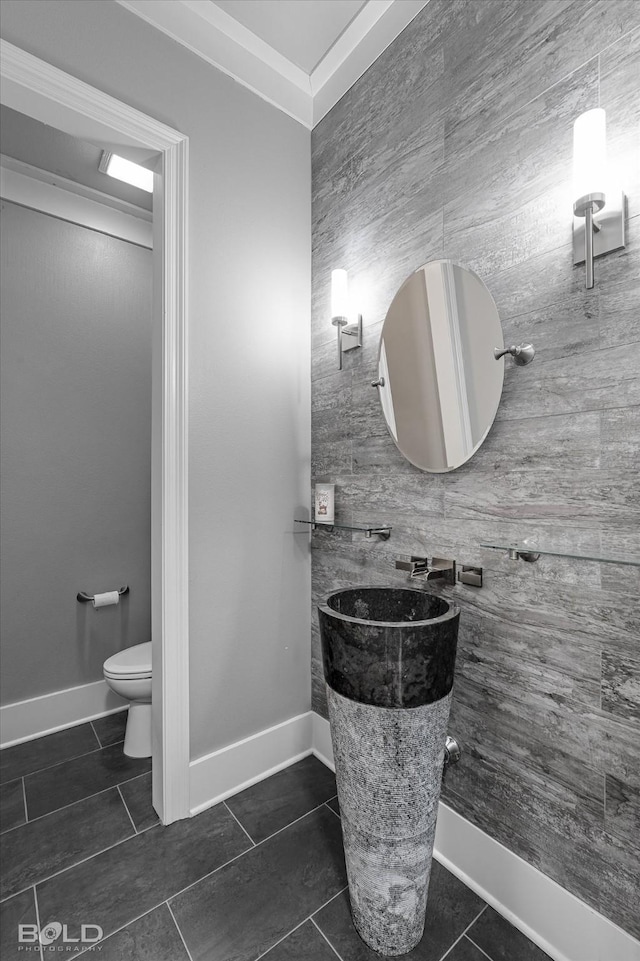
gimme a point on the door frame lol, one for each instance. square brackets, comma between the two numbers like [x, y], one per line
[44, 92]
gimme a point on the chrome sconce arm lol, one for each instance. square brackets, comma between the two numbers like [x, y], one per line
[352, 331]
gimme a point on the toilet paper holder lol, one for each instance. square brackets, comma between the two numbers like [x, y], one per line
[88, 598]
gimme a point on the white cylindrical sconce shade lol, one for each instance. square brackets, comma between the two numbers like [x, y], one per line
[339, 294]
[589, 154]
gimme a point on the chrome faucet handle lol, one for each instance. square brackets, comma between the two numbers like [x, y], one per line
[417, 565]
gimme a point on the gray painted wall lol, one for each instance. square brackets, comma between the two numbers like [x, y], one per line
[457, 142]
[249, 293]
[75, 430]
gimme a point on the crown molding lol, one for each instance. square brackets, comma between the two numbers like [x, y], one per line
[209, 32]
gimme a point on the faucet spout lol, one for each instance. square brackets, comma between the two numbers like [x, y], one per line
[441, 569]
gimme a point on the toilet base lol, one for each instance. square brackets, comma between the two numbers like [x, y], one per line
[137, 738]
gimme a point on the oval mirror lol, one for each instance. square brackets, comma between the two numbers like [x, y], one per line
[439, 382]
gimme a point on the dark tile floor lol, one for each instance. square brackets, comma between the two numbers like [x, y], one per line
[259, 876]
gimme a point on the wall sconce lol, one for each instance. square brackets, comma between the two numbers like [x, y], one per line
[340, 315]
[598, 208]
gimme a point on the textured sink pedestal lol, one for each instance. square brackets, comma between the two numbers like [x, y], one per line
[388, 657]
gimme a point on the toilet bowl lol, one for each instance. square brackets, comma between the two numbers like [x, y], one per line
[128, 673]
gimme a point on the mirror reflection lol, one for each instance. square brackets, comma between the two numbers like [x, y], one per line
[439, 382]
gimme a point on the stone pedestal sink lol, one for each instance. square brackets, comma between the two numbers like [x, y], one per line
[388, 657]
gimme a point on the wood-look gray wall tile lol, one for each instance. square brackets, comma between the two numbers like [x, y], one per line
[622, 811]
[554, 442]
[619, 84]
[580, 855]
[328, 459]
[519, 157]
[546, 281]
[457, 143]
[621, 685]
[524, 49]
[596, 380]
[558, 330]
[589, 498]
[617, 542]
[620, 438]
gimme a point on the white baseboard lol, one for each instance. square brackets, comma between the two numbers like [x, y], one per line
[26, 720]
[217, 776]
[560, 923]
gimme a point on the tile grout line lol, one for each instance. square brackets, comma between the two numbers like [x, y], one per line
[316, 926]
[280, 940]
[452, 946]
[71, 803]
[179, 931]
[126, 808]
[96, 734]
[35, 901]
[304, 921]
[76, 864]
[66, 760]
[239, 823]
[478, 947]
[326, 804]
[24, 799]
[242, 853]
[121, 928]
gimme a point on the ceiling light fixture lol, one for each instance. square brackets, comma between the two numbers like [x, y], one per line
[126, 170]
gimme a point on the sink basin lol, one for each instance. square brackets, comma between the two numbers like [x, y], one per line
[388, 656]
[389, 646]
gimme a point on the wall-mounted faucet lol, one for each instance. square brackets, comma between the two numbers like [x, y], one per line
[439, 569]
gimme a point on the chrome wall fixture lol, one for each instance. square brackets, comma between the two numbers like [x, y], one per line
[349, 335]
[522, 355]
[598, 206]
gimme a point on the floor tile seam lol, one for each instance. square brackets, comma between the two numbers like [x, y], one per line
[126, 807]
[239, 823]
[122, 927]
[304, 921]
[63, 808]
[70, 867]
[316, 926]
[88, 796]
[481, 950]
[173, 918]
[96, 734]
[241, 854]
[74, 757]
[327, 805]
[461, 936]
[35, 901]
[280, 940]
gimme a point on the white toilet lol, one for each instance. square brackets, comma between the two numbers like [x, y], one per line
[128, 673]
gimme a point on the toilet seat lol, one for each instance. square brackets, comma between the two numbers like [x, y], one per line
[133, 662]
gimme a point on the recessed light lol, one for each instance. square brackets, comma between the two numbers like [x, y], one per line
[126, 170]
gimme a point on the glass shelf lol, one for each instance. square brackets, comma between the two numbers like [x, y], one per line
[384, 533]
[529, 553]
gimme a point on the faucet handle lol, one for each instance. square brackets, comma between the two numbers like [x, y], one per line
[415, 566]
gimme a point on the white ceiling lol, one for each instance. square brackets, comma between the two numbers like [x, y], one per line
[300, 55]
[301, 30]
